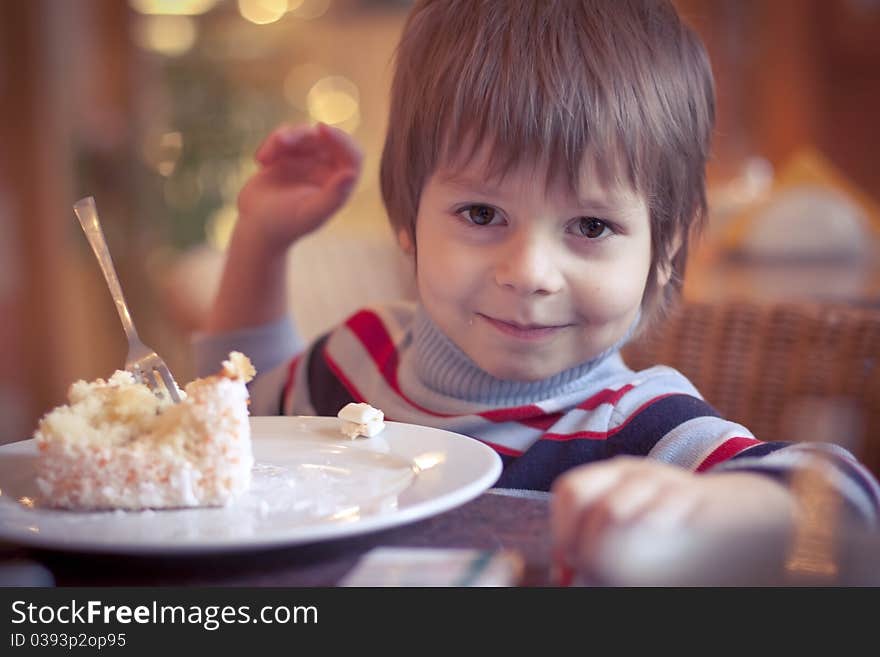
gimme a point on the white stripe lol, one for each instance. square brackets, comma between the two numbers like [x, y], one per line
[650, 384]
[266, 391]
[577, 420]
[688, 444]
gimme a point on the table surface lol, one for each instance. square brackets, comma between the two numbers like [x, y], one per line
[494, 520]
[497, 519]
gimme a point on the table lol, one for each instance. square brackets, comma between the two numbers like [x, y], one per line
[496, 519]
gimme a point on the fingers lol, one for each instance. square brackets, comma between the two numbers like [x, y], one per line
[283, 138]
[593, 502]
[316, 207]
[574, 498]
[668, 511]
[345, 147]
[315, 145]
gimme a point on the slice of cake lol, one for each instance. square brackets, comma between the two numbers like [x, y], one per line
[116, 445]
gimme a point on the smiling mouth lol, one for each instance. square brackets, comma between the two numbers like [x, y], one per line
[523, 331]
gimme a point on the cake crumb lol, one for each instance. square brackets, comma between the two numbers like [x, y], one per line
[361, 420]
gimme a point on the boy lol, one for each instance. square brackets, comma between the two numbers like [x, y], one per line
[544, 166]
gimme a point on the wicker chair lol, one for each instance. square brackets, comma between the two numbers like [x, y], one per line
[788, 371]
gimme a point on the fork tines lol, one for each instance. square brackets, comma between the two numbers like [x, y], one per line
[153, 372]
[170, 385]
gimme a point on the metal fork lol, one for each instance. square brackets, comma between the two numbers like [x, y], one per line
[143, 362]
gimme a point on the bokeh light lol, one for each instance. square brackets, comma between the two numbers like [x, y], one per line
[218, 230]
[308, 9]
[262, 12]
[172, 7]
[335, 100]
[167, 35]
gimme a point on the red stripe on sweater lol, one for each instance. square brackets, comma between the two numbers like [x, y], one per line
[542, 423]
[288, 385]
[348, 385]
[515, 414]
[729, 448]
[607, 396]
[370, 330]
[602, 435]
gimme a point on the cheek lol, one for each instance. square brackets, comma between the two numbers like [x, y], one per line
[611, 297]
[443, 271]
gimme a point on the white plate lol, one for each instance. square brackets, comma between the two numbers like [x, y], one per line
[309, 484]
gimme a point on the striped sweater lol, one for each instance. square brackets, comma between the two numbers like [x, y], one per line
[396, 359]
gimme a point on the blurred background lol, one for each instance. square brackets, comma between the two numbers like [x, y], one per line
[155, 107]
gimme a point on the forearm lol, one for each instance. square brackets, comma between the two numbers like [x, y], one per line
[253, 287]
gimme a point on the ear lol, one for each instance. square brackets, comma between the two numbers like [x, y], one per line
[664, 271]
[404, 239]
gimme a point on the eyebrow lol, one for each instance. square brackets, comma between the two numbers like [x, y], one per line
[600, 205]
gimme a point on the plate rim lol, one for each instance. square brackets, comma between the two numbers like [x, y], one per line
[308, 535]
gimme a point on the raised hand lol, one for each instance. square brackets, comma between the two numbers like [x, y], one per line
[305, 174]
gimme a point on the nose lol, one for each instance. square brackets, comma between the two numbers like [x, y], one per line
[528, 265]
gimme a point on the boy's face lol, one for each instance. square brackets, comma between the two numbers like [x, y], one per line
[529, 281]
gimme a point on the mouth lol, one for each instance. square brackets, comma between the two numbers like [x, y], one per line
[523, 331]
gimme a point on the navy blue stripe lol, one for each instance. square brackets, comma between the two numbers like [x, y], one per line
[850, 471]
[761, 449]
[842, 464]
[645, 429]
[326, 391]
[547, 459]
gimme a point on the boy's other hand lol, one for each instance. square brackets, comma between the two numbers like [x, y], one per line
[592, 503]
[305, 174]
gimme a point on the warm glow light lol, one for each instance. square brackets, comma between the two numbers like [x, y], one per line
[172, 7]
[219, 228]
[162, 153]
[334, 100]
[347, 515]
[26, 501]
[262, 12]
[308, 9]
[331, 469]
[428, 460]
[167, 35]
[171, 145]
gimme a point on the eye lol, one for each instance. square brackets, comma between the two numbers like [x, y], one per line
[590, 227]
[479, 215]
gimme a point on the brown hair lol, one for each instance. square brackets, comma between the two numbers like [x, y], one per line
[624, 81]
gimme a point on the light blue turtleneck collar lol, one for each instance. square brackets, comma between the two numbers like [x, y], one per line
[445, 369]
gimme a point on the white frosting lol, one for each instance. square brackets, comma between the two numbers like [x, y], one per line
[361, 420]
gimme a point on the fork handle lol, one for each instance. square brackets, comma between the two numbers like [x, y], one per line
[87, 214]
